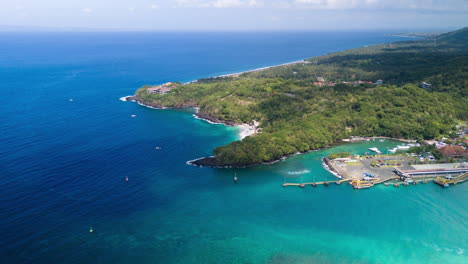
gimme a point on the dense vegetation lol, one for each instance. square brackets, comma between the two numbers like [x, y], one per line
[422, 150]
[296, 116]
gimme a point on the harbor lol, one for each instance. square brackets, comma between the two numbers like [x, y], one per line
[367, 171]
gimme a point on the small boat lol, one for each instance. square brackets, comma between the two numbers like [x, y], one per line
[382, 140]
[386, 184]
[403, 147]
[157, 148]
[126, 179]
[91, 230]
[71, 100]
[376, 150]
[393, 150]
[325, 183]
[133, 116]
[314, 184]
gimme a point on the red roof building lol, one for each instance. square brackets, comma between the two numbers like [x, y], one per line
[454, 151]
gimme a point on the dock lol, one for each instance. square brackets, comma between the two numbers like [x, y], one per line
[446, 182]
[371, 172]
[363, 184]
[315, 183]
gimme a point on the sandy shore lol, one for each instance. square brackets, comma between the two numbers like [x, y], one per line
[254, 70]
[261, 69]
[245, 130]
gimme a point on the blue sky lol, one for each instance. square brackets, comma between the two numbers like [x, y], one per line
[235, 14]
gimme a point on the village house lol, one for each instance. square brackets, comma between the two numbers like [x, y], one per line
[161, 89]
[453, 152]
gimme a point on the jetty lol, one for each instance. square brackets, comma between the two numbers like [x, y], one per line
[314, 184]
[367, 172]
[447, 181]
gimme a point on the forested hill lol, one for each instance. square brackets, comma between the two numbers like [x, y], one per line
[297, 115]
[440, 61]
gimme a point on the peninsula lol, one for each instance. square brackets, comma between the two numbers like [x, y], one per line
[415, 89]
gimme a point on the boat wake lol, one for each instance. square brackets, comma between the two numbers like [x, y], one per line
[298, 172]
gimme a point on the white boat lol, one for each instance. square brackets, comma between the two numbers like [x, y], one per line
[403, 147]
[376, 150]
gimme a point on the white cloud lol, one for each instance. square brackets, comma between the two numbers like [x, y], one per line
[87, 10]
[253, 3]
[226, 3]
[217, 3]
[131, 9]
[154, 6]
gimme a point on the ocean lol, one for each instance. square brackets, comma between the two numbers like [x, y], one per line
[68, 144]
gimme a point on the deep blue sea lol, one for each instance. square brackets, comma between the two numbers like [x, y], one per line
[63, 164]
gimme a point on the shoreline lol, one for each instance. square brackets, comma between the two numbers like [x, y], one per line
[261, 69]
[245, 130]
[236, 74]
[210, 162]
[329, 167]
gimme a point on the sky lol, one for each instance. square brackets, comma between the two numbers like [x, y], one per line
[226, 15]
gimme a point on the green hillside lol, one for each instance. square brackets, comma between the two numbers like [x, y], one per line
[297, 116]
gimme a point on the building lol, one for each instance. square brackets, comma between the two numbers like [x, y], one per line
[453, 152]
[379, 82]
[426, 85]
[161, 89]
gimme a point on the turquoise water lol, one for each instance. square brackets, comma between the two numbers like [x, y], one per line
[64, 164]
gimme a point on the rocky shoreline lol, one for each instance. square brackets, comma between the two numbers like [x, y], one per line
[199, 114]
[329, 167]
[211, 162]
